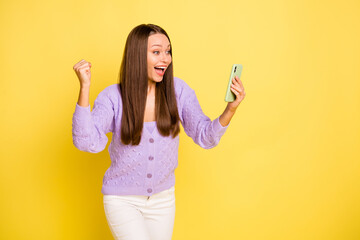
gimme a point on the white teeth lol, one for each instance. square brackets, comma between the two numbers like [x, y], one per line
[161, 67]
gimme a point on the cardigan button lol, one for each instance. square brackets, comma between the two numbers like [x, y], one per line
[151, 140]
[149, 175]
[151, 158]
[149, 190]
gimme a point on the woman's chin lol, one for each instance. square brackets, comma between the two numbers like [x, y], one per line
[156, 80]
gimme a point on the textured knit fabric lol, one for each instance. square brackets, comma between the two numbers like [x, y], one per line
[147, 168]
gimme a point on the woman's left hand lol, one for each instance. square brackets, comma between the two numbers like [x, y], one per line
[238, 89]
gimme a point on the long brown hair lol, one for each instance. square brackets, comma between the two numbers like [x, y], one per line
[133, 86]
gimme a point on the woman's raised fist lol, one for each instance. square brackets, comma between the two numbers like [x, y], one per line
[82, 70]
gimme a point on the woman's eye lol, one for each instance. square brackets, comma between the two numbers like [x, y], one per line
[158, 52]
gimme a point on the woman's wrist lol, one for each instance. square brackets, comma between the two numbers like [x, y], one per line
[85, 87]
[226, 116]
[84, 94]
[230, 109]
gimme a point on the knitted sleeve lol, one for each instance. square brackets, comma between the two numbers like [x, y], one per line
[197, 125]
[89, 128]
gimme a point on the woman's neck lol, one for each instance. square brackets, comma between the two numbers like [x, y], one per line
[151, 89]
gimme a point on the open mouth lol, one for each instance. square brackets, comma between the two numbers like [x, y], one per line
[160, 70]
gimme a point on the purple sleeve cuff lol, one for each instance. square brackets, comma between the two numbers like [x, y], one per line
[79, 110]
[218, 128]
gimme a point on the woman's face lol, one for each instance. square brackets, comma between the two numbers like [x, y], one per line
[158, 56]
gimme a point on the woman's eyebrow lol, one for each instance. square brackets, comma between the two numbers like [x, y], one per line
[159, 45]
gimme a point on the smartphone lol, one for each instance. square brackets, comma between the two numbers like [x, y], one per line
[235, 71]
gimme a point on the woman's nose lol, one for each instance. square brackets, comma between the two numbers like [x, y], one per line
[165, 57]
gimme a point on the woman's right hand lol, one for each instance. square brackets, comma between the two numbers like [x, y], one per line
[82, 70]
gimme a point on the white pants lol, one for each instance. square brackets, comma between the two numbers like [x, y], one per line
[134, 217]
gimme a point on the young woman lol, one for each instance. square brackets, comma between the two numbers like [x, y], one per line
[143, 113]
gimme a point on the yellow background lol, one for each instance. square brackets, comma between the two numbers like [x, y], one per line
[288, 165]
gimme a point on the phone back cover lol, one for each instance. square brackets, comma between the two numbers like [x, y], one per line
[230, 96]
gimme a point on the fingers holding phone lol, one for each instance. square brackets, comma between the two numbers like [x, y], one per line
[237, 88]
[235, 92]
[234, 85]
